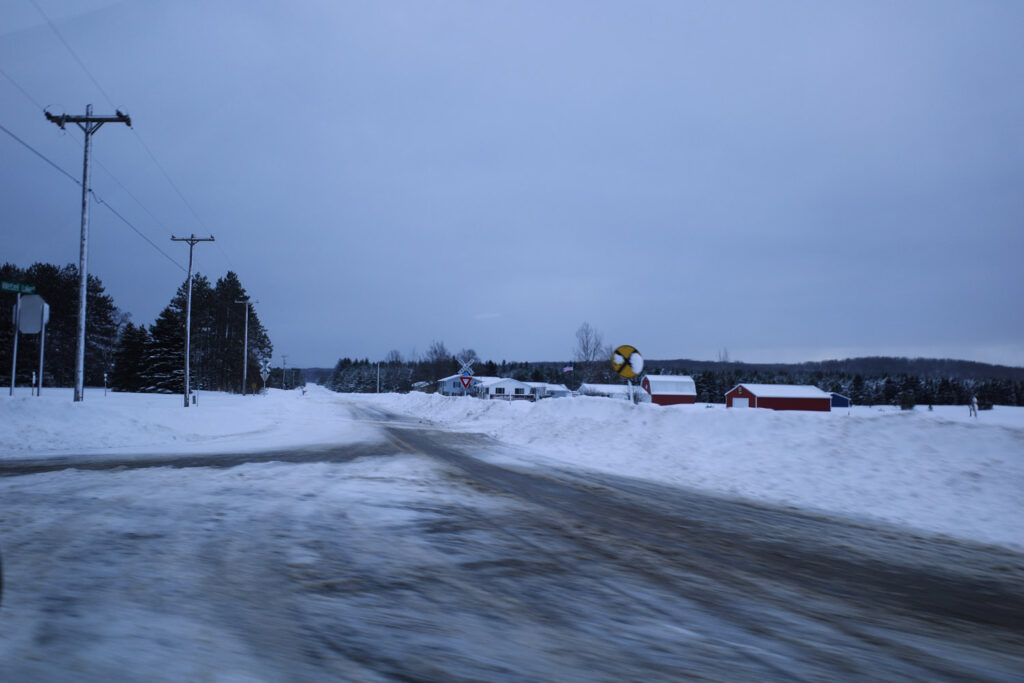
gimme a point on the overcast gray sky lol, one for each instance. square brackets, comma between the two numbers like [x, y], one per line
[788, 180]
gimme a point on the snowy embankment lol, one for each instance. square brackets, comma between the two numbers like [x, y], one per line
[938, 471]
[53, 425]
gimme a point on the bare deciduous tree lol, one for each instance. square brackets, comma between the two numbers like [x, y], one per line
[589, 344]
[437, 352]
[590, 348]
[468, 355]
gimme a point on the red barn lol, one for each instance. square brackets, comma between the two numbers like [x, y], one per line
[778, 397]
[670, 390]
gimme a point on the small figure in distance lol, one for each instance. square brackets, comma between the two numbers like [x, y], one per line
[974, 406]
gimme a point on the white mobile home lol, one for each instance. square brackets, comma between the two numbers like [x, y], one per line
[547, 390]
[504, 388]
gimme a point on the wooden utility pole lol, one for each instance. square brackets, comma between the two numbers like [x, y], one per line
[89, 125]
[192, 240]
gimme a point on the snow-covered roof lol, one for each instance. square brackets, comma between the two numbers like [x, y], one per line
[784, 391]
[549, 386]
[475, 379]
[494, 381]
[672, 385]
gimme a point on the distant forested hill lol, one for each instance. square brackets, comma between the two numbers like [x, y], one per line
[875, 366]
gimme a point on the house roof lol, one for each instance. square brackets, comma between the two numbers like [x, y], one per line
[671, 385]
[474, 379]
[784, 391]
[549, 385]
[493, 381]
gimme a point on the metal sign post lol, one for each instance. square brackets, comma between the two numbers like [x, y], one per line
[14, 355]
[44, 316]
[18, 288]
[35, 313]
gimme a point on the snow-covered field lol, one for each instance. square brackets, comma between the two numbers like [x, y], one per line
[937, 471]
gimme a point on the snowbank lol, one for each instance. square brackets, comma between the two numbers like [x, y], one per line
[52, 424]
[940, 471]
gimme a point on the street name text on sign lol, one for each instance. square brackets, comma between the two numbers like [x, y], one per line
[17, 287]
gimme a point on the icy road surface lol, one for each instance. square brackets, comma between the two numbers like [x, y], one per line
[420, 555]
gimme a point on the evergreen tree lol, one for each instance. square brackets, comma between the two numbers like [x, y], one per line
[59, 288]
[130, 359]
[164, 371]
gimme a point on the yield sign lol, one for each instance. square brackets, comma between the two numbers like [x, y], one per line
[465, 379]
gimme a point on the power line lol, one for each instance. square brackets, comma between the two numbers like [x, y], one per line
[166, 175]
[128, 223]
[98, 163]
[73, 54]
[138, 136]
[99, 200]
[111, 103]
[39, 154]
[23, 91]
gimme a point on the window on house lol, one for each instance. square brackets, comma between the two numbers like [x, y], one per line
[519, 390]
[499, 390]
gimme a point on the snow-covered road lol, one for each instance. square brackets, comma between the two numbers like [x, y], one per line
[394, 542]
[438, 555]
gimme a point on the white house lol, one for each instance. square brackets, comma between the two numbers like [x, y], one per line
[547, 390]
[504, 387]
[452, 385]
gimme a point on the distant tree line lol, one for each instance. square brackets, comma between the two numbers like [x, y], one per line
[902, 390]
[401, 375]
[867, 381]
[137, 357]
[152, 359]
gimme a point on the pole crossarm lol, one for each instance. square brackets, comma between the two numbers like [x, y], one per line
[192, 239]
[89, 119]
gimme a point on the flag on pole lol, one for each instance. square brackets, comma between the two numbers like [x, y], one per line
[567, 368]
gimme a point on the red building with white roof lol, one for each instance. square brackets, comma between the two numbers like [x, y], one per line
[778, 397]
[670, 390]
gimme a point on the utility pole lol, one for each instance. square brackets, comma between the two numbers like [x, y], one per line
[89, 125]
[284, 369]
[192, 241]
[245, 344]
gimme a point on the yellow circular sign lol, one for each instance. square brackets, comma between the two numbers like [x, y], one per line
[627, 361]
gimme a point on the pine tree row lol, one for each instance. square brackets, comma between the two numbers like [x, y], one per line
[136, 357]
